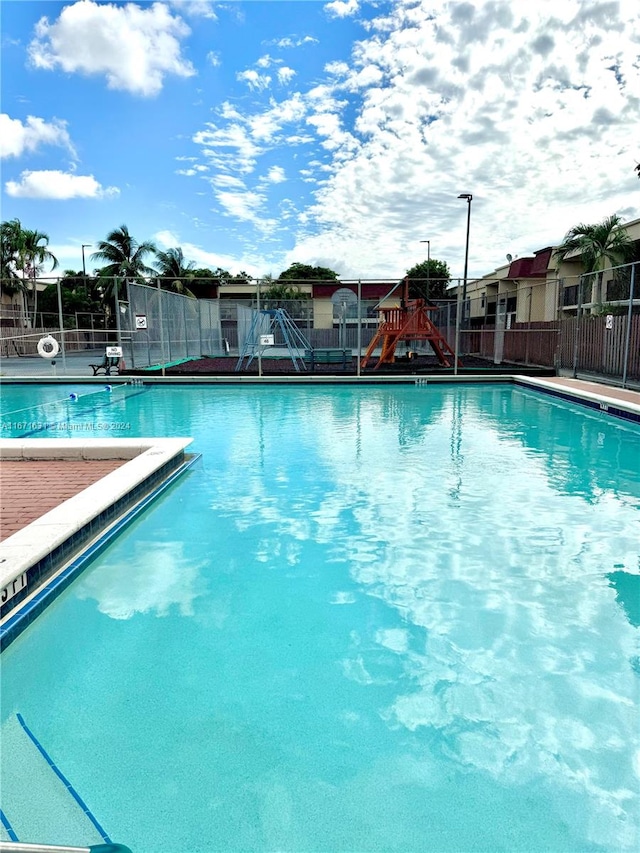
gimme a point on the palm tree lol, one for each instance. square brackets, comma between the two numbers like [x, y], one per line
[10, 243]
[34, 253]
[596, 244]
[124, 257]
[172, 265]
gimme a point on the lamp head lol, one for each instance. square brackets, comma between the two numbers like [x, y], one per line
[468, 196]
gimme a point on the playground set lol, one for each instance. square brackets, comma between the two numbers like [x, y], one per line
[407, 323]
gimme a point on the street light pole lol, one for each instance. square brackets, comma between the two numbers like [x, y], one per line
[428, 242]
[84, 268]
[469, 199]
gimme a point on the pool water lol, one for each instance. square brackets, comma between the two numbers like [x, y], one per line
[370, 619]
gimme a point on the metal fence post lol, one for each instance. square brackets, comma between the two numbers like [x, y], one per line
[629, 321]
[61, 321]
[117, 302]
[457, 346]
[161, 323]
[132, 325]
[577, 329]
[359, 331]
[259, 328]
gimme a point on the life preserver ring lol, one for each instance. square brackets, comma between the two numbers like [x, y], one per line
[48, 347]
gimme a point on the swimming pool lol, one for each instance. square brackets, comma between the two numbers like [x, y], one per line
[375, 619]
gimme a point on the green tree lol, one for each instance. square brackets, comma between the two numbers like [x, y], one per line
[11, 236]
[79, 294]
[174, 270]
[429, 279]
[599, 244]
[287, 296]
[35, 254]
[305, 272]
[283, 291]
[124, 258]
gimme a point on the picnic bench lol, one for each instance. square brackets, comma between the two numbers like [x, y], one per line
[108, 363]
[326, 355]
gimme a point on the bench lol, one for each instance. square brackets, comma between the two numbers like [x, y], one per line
[328, 356]
[108, 363]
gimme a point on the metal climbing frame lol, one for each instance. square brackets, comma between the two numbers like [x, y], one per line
[277, 320]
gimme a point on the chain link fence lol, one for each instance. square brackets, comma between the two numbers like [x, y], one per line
[583, 324]
[160, 327]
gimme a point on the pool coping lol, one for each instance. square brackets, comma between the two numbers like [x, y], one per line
[32, 555]
[601, 401]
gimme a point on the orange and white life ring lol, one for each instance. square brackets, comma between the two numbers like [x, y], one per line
[48, 347]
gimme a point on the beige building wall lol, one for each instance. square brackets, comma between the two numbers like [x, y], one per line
[322, 314]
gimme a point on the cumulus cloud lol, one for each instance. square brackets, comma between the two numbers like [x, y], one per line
[533, 112]
[196, 8]
[17, 138]
[342, 8]
[54, 184]
[276, 175]
[134, 47]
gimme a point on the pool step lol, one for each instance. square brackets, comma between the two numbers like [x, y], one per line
[35, 801]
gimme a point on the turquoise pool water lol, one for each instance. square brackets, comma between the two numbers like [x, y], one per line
[371, 619]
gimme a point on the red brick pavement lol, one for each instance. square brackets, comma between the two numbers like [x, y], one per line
[29, 489]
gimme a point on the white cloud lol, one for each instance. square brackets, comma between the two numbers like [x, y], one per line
[285, 74]
[230, 147]
[206, 258]
[296, 41]
[17, 138]
[53, 184]
[134, 47]
[196, 8]
[342, 8]
[525, 110]
[533, 112]
[276, 175]
[213, 58]
[255, 81]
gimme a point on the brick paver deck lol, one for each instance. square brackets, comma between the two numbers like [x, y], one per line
[29, 489]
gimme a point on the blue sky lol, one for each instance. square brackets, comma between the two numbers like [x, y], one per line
[256, 134]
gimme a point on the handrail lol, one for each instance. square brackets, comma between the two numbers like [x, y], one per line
[18, 847]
